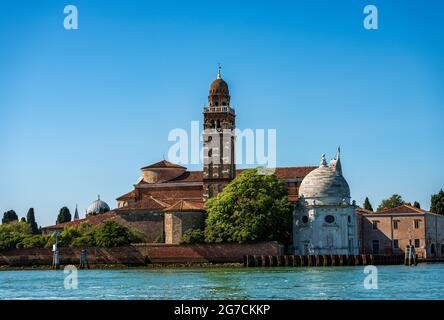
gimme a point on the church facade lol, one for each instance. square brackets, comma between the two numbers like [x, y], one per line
[167, 199]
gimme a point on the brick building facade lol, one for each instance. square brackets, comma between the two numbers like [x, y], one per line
[389, 231]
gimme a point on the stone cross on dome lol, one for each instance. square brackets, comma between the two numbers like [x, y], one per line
[323, 160]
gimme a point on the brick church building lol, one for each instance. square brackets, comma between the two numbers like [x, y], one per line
[167, 199]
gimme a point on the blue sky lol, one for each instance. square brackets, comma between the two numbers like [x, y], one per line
[81, 111]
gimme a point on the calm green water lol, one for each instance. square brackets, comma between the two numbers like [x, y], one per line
[426, 281]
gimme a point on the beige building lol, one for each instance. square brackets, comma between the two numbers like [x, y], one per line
[389, 231]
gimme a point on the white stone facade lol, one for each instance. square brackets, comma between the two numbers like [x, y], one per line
[324, 220]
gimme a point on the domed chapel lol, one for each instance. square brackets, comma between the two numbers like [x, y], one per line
[324, 219]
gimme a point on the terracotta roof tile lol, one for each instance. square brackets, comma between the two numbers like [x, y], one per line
[127, 196]
[405, 208]
[163, 164]
[185, 205]
[364, 211]
[147, 203]
[94, 220]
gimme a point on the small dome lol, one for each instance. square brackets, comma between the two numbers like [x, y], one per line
[219, 86]
[97, 207]
[325, 185]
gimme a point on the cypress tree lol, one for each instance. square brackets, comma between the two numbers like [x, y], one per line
[30, 217]
[367, 204]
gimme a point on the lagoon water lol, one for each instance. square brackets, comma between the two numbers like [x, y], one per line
[425, 281]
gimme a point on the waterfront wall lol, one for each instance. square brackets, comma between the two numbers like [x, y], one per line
[143, 254]
[321, 260]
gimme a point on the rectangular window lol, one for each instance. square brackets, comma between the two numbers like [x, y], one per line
[417, 224]
[395, 244]
[375, 246]
[375, 225]
[417, 243]
[395, 224]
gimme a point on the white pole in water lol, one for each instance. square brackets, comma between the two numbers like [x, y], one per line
[55, 249]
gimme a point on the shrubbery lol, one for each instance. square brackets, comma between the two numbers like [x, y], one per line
[107, 234]
[193, 236]
[19, 235]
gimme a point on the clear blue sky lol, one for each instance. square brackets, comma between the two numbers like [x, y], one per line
[81, 111]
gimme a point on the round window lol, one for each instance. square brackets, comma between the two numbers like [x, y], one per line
[305, 219]
[329, 219]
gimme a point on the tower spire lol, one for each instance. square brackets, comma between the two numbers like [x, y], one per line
[218, 71]
[339, 153]
[76, 214]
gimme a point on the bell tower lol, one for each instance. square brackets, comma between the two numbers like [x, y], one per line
[219, 139]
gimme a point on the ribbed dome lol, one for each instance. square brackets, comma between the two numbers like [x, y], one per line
[325, 185]
[219, 86]
[97, 207]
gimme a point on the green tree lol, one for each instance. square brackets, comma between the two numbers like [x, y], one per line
[417, 205]
[9, 216]
[30, 218]
[367, 204]
[252, 208]
[64, 215]
[437, 203]
[193, 236]
[112, 234]
[12, 234]
[392, 202]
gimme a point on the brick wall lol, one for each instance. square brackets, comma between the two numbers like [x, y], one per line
[178, 223]
[137, 255]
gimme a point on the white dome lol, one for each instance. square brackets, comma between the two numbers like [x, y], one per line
[325, 185]
[97, 207]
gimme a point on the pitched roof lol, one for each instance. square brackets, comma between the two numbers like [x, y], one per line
[127, 196]
[288, 172]
[405, 208]
[147, 203]
[163, 164]
[189, 176]
[94, 220]
[364, 211]
[185, 205]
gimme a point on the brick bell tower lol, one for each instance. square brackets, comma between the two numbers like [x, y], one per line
[219, 139]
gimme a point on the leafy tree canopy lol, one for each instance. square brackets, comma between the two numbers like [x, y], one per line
[392, 202]
[417, 205]
[9, 216]
[437, 203]
[64, 215]
[113, 234]
[252, 208]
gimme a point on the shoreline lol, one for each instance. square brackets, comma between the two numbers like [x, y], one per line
[160, 266]
[129, 267]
